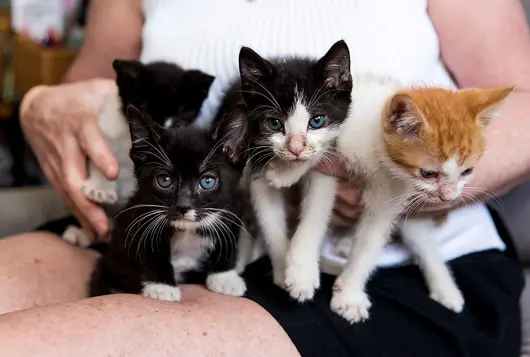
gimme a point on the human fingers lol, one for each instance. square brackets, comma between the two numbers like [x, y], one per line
[74, 173]
[338, 220]
[52, 172]
[95, 146]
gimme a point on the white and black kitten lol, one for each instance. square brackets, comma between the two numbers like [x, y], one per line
[295, 109]
[171, 95]
[183, 218]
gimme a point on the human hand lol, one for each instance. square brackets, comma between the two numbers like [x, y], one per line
[61, 125]
[347, 202]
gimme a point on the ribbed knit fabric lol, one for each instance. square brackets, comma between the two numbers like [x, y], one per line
[387, 37]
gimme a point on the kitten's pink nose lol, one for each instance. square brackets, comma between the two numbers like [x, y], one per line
[296, 143]
[446, 194]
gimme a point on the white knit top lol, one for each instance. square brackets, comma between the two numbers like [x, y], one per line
[386, 37]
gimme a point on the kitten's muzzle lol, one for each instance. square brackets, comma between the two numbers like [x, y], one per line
[183, 209]
[296, 144]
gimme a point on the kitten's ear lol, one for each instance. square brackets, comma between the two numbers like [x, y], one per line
[231, 132]
[141, 126]
[127, 71]
[197, 85]
[485, 103]
[253, 67]
[404, 117]
[334, 67]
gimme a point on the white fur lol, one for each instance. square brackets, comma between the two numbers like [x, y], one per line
[187, 251]
[115, 129]
[226, 283]
[442, 287]
[296, 263]
[361, 142]
[77, 236]
[302, 275]
[161, 291]
[270, 214]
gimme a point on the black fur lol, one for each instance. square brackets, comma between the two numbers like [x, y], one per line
[163, 90]
[139, 253]
[268, 91]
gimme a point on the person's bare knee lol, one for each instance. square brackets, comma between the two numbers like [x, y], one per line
[204, 324]
[38, 269]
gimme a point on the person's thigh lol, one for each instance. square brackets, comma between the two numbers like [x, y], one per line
[38, 269]
[203, 324]
[404, 321]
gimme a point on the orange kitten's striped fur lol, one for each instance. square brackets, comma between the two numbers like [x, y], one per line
[412, 146]
[449, 127]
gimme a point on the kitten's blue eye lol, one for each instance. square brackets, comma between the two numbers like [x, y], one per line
[208, 182]
[467, 172]
[275, 124]
[164, 181]
[317, 121]
[428, 174]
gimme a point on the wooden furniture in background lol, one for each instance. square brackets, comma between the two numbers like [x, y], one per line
[35, 64]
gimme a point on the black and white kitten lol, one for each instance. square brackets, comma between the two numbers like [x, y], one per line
[295, 111]
[184, 216]
[170, 94]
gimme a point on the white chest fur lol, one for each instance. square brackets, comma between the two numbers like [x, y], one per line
[188, 250]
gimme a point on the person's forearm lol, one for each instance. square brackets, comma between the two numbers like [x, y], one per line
[506, 161]
[113, 30]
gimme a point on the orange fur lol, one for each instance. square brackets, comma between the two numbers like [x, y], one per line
[425, 127]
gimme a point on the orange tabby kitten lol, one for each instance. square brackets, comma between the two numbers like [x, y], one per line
[412, 146]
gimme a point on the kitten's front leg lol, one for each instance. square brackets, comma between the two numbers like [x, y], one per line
[161, 291]
[227, 283]
[98, 188]
[302, 274]
[269, 207]
[417, 236]
[158, 282]
[349, 297]
[283, 175]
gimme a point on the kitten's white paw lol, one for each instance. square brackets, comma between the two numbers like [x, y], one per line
[226, 283]
[351, 305]
[276, 179]
[100, 192]
[302, 279]
[278, 276]
[449, 296]
[161, 291]
[76, 236]
[343, 246]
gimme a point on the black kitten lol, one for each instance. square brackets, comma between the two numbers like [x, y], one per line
[169, 94]
[183, 218]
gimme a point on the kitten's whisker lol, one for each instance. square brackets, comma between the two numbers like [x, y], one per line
[212, 152]
[229, 238]
[161, 154]
[324, 93]
[486, 192]
[272, 99]
[138, 222]
[310, 104]
[138, 206]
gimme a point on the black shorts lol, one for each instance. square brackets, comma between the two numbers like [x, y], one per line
[404, 321]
